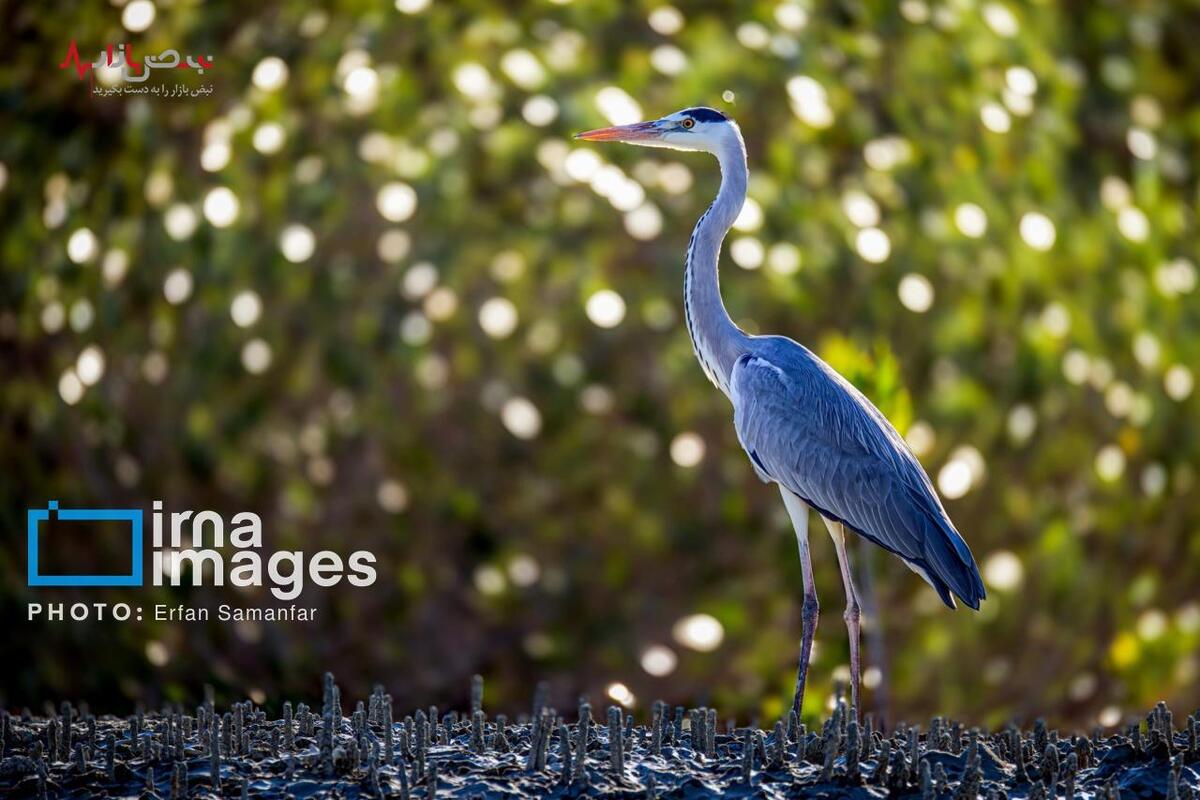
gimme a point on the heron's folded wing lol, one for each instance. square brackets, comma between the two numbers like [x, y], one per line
[808, 429]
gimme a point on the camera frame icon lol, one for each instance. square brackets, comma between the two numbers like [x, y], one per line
[34, 518]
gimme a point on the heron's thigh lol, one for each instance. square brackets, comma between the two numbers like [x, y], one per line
[837, 531]
[798, 512]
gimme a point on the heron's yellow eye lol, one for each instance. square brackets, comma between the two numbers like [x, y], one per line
[689, 123]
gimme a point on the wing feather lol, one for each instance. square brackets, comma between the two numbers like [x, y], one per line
[810, 430]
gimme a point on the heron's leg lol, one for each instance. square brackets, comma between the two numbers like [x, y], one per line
[838, 533]
[798, 511]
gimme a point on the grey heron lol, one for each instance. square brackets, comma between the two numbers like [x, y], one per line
[805, 427]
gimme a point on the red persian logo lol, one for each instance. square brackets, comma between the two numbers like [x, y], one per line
[135, 70]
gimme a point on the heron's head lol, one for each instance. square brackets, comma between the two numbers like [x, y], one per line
[702, 129]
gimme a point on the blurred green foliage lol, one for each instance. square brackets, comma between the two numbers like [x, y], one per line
[983, 213]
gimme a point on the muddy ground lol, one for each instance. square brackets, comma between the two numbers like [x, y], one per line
[371, 751]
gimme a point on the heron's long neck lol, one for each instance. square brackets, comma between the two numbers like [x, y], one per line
[718, 342]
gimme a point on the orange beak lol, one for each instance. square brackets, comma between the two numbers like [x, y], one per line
[637, 132]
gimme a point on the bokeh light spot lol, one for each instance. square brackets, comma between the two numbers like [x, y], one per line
[700, 632]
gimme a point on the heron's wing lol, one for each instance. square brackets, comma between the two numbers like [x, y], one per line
[807, 428]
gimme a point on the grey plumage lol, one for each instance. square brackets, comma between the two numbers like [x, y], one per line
[804, 426]
[807, 428]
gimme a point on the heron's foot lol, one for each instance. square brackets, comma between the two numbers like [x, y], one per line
[801, 678]
[798, 698]
[852, 617]
[808, 629]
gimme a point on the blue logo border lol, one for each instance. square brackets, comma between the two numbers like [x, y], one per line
[131, 515]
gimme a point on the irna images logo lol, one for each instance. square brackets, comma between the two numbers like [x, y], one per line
[183, 543]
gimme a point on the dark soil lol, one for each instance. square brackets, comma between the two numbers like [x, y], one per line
[243, 752]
